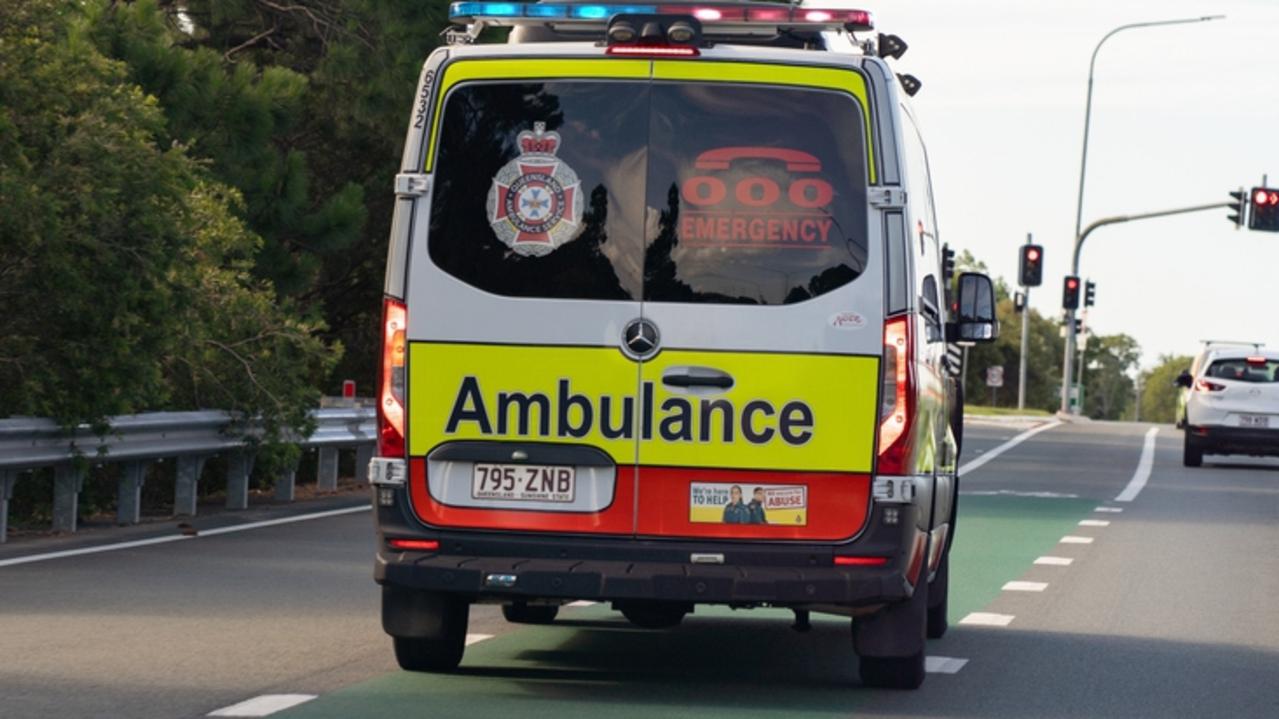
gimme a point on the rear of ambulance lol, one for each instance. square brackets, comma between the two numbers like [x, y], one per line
[638, 346]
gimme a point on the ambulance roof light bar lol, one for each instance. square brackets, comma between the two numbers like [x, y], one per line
[736, 15]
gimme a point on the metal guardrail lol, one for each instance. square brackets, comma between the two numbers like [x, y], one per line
[189, 438]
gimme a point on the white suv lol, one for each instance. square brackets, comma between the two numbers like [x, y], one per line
[1232, 404]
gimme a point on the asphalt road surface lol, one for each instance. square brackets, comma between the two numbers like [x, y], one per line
[1165, 605]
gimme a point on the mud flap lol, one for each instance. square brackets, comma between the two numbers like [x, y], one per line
[896, 630]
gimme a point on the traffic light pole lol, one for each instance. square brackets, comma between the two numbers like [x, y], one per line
[1067, 370]
[1025, 340]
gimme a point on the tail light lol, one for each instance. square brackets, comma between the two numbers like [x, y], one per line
[1203, 385]
[896, 398]
[390, 406]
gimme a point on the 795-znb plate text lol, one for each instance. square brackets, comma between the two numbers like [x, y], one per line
[524, 482]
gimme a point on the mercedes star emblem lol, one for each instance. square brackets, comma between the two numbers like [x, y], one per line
[639, 339]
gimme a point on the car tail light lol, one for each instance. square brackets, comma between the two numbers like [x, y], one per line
[416, 545]
[860, 561]
[896, 398]
[1204, 385]
[390, 406]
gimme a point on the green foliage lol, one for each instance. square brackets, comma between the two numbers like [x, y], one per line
[1043, 366]
[1109, 390]
[126, 281]
[1159, 396]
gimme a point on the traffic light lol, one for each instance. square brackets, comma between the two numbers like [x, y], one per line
[1070, 293]
[947, 263]
[1265, 209]
[1032, 265]
[1238, 203]
[1090, 293]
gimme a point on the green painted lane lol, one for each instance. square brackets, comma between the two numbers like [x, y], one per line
[719, 663]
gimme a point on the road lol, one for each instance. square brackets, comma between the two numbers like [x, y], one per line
[1165, 605]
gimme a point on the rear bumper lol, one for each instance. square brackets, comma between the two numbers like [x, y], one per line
[1235, 440]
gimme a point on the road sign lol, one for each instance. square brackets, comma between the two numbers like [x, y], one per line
[994, 377]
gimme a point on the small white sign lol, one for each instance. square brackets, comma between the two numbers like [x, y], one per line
[994, 376]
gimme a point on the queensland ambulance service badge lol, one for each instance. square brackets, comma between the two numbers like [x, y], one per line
[535, 203]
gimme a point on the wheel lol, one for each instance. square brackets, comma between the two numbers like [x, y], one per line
[938, 599]
[890, 643]
[653, 615]
[521, 613]
[428, 629]
[1192, 454]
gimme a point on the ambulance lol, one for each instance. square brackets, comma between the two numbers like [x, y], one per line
[666, 323]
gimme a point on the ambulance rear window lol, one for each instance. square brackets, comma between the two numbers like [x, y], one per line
[666, 192]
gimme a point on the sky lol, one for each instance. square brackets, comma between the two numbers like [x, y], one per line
[1182, 115]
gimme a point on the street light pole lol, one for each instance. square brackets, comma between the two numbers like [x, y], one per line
[1079, 205]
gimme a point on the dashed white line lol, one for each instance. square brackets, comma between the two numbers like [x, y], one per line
[1054, 561]
[986, 619]
[262, 706]
[1139, 478]
[1071, 539]
[1093, 523]
[581, 603]
[179, 537]
[979, 461]
[1025, 586]
[476, 638]
[1112, 510]
[944, 665]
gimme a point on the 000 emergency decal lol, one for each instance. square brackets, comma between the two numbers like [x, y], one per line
[791, 412]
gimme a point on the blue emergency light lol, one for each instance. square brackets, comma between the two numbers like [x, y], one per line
[738, 14]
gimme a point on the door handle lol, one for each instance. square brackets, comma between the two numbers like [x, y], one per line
[690, 377]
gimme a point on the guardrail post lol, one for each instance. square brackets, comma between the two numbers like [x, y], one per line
[363, 456]
[185, 485]
[128, 505]
[286, 482]
[239, 466]
[327, 470]
[68, 480]
[7, 479]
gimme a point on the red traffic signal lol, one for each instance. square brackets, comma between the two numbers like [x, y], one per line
[1265, 209]
[1070, 293]
[1032, 266]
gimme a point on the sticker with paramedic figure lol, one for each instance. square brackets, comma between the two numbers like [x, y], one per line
[535, 203]
[749, 503]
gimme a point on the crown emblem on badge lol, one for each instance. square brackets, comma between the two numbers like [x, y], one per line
[535, 202]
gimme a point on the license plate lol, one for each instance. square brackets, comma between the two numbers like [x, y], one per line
[524, 482]
[1254, 420]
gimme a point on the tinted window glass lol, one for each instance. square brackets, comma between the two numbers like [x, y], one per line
[758, 194]
[542, 210]
[1242, 370]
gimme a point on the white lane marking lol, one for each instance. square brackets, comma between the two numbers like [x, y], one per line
[1094, 523]
[476, 638]
[979, 461]
[179, 537]
[581, 603]
[1025, 586]
[1112, 510]
[262, 706]
[1055, 561]
[986, 619]
[1071, 539]
[1139, 478]
[943, 665]
[1014, 493]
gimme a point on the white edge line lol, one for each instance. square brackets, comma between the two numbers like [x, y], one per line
[943, 665]
[1139, 478]
[262, 706]
[179, 537]
[476, 638]
[977, 462]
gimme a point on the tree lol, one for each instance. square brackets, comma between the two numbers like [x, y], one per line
[1109, 388]
[1159, 396]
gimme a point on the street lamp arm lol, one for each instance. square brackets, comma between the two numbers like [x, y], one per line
[1074, 266]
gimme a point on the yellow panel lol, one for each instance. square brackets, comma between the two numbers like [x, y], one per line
[829, 78]
[527, 69]
[786, 411]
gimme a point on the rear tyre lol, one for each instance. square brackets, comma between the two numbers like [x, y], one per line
[939, 599]
[428, 629]
[1192, 453]
[521, 613]
[653, 615]
[890, 643]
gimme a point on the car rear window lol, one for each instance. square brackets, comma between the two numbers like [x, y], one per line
[666, 192]
[1241, 370]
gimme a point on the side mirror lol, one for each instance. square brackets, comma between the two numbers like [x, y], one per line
[1184, 379]
[975, 319]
